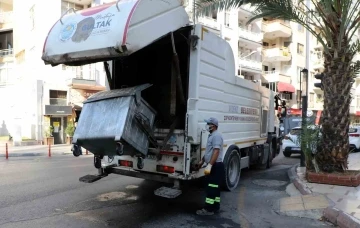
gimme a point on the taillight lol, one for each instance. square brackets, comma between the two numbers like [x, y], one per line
[354, 135]
[165, 169]
[126, 163]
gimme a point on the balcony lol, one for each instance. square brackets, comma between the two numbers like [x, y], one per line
[6, 55]
[209, 22]
[275, 76]
[6, 20]
[85, 77]
[251, 36]
[247, 8]
[250, 65]
[276, 54]
[276, 29]
[318, 64]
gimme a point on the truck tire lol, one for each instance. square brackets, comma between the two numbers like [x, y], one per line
[268, 163]
[232, 163]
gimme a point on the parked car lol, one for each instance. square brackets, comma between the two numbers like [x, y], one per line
[290, 144]
[354, 138]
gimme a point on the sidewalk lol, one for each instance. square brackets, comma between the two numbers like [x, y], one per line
[338, 204]
[36, 150]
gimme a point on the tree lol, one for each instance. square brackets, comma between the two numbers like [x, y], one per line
[334, 24]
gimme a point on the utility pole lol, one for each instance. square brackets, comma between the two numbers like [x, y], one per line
[304, 105]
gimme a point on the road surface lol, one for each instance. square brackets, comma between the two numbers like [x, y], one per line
[45, 192]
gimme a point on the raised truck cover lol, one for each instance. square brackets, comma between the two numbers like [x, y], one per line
[111, 30]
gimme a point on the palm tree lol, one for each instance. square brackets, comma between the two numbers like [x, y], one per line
[334, 24]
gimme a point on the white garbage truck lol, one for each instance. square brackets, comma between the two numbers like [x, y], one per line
[165, 76]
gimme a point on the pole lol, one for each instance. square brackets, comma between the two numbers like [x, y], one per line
[307, 53]
[194, 8]
[303, 126]
[6, 151]
[87, 152]
[49, 150]
[304, 105]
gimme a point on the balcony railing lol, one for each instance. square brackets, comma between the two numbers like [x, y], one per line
[276, 53]
[249, 63]
[209, 22]
[88, 72]
[285, 23]
[58, 101]
[248, 8]
[6, 17]
[254, 36]
[6, 53]
[275, 76]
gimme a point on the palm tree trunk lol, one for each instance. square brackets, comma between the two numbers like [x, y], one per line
[338, 80]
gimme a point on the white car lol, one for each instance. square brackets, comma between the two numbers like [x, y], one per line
[289, 143]
[354, 138]
[291, 146]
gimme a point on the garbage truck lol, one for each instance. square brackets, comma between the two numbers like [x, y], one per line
[165, 76]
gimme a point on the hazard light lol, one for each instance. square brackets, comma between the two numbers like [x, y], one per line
[165, 169]
[126, 163]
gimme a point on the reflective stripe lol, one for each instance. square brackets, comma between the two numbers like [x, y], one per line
[209, 201]
[217, 199]
[213, 185]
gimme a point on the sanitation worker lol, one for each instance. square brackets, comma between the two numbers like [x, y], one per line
[214, 168]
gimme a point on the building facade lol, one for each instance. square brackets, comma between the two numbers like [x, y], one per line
[273, 53]
[39, 95]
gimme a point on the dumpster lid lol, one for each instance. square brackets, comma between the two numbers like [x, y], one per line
[111, 30]
[125, 92]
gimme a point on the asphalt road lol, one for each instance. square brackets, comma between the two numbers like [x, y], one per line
[45, 192]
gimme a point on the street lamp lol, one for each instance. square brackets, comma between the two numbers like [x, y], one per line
[245, 57]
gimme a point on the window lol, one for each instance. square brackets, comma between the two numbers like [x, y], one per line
[32, 17]
[312, 95]
[300, 28]
[65, 6]
[300, 49]
[298, 95]
[227, 19]
[285, 96]
[287, 44]
[58, 97]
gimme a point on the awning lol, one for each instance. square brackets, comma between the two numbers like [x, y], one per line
[111, 30]
[285, 87]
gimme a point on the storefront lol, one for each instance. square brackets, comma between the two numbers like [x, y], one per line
[56, 119]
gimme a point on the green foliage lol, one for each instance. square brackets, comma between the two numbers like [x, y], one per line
[309, 140]
[70, 129]
[48, 131]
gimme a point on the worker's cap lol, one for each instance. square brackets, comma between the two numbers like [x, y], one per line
[212, 121]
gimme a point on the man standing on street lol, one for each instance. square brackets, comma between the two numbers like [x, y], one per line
[214, 169]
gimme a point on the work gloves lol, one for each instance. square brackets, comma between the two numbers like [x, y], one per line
[207, 169]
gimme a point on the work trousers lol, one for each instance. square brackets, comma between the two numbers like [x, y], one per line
[214, 180]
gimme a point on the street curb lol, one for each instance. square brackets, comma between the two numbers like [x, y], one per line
[304, 190]
[29, 154]
[332, 214]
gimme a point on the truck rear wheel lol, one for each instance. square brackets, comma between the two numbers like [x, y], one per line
[232, 169]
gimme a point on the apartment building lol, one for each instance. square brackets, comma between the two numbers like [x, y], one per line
[273, 53]
[38, 96]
